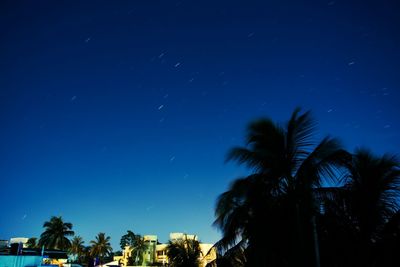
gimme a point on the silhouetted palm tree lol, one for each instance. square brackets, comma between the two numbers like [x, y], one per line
[101, 247]
[234, 257]
[374, 190]
[77, 247]
[184, 253]
[389, 243]
[357, 218]
[270, 212]
[56, 233]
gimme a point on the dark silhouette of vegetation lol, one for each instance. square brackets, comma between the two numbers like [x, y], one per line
[137, 245]
[130, 262]
[307, 203]
[101, 247]
[234, 257]
[86, 257]
[32, 243]
[128, 239]
[184, 253]
[77, 247]
[363, 213]
[56, 234]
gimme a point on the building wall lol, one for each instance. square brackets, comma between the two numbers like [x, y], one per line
[208, 253]
[157, 253]
[23, 240]
[150, 253]
[19, 261]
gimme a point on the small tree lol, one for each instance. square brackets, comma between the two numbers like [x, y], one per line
[127, 240]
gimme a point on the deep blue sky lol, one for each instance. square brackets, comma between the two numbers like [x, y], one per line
[118, 115]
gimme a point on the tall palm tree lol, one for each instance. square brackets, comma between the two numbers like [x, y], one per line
[374, 185]
[56, 234]
[361, 211]
[270, 212]
[77, 247]
[184, 253]
[101, 247]
[139, 246]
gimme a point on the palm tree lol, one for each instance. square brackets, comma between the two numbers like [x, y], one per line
[358, 218]
[271, 211]
[136, 244]
[101, 247]
[184, 253]
[139, 246]
[389, 243]
[234, 257]
[374, 186]
[32, 242]
[77, 247]
[56, 233]
[362, 210]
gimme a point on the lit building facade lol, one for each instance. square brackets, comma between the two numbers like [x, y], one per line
[156, 253]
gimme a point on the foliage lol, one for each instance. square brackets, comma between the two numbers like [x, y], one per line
[136, 244]
[131, 261]
[56, 234]
[101, 247]
[127, 240]
[308, 203]
[86, 257]
[77, 247]
[184, 253]
[138, 249]
[361, 215]
[270, 211]
[32, 243]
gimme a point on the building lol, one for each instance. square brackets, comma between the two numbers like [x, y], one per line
[150, 254]
[208, 253]
[17, 240]
[156, 253]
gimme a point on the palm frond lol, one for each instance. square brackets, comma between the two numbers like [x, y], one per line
[300, 130]
[245, 156]
[324, 164]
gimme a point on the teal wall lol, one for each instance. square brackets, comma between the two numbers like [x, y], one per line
[19, 261]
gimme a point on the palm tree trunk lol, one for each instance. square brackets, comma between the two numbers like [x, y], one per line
[137, 257]
[300, 250]
[316, 243]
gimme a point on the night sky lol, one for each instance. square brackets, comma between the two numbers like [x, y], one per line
[118, 115]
